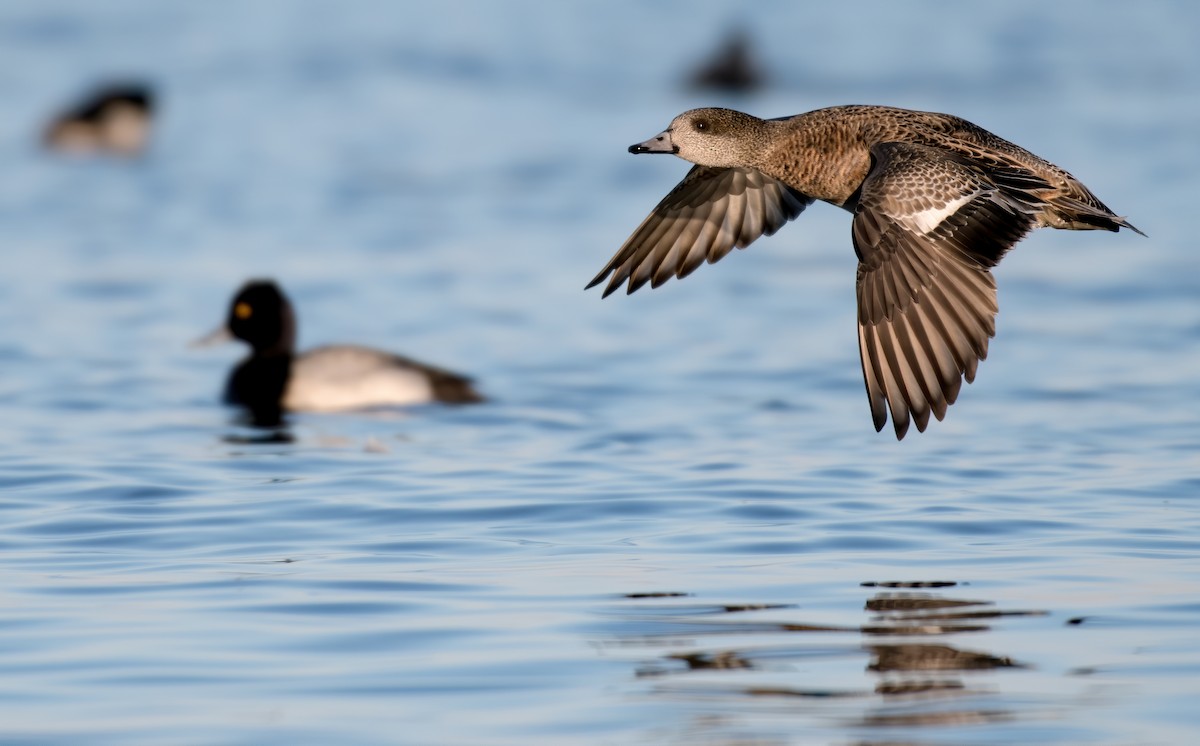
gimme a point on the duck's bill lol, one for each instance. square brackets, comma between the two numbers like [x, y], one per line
[660, 143]
[217, 336]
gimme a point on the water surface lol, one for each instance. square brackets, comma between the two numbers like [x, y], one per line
[673, 523]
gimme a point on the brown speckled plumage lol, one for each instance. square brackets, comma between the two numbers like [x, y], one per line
[937, 202]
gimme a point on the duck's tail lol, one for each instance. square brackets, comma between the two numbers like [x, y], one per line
[452, 388]
[1076, 215]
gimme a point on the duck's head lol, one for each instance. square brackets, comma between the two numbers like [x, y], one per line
[261, 315]
[721, 138]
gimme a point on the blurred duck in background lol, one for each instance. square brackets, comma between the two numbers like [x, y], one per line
[113, 119]
[732, 69]
[275, 378]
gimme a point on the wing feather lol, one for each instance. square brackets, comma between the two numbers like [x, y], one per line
[707, 215]
[927, 228]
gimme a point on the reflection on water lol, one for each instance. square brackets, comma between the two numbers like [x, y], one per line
[908, 658]
[268, 437]
[905, 681]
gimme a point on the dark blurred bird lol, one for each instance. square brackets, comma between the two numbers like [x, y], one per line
[112, 119]
[732, 69]
[275, 378]
[937, 201]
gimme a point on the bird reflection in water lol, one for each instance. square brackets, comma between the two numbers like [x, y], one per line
[277, 436]
[702, 652]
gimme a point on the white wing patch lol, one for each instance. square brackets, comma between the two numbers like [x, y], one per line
[926, 220]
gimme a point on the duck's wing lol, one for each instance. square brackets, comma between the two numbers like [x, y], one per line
[702, 219]
[448, 386]
[927, 228]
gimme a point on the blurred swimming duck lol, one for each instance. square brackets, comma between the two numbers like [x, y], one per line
[731, 69]
[274, 378]
[111, 119]
[937, 202]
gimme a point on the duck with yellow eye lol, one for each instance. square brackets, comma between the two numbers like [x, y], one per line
[275, 378]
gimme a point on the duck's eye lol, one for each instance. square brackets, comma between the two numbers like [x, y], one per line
[243, 310]
[701, 125]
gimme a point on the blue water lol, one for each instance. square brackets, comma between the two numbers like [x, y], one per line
[674, 522]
